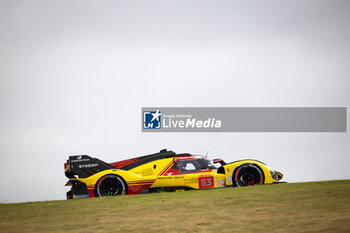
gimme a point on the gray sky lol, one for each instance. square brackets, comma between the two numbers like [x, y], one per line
[75, 74]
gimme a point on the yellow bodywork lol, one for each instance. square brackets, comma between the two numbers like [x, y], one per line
[231, 167]
[154, 175]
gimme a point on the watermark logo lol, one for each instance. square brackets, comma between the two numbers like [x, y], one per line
[243, 119]
[152, 119]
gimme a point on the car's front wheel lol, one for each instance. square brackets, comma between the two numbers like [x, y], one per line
[246, 175]
[110, 185]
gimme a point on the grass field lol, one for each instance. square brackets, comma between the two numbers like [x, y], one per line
[294, 207]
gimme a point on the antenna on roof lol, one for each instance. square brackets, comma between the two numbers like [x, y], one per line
[206, 155]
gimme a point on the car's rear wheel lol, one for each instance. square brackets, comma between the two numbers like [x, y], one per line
[247, 175]
[110, 185]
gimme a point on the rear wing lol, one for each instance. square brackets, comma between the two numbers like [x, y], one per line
[84, 166]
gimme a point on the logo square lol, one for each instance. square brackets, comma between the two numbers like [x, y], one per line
[152, 119]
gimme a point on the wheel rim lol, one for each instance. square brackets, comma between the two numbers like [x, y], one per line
[248, 175]
[110, 185]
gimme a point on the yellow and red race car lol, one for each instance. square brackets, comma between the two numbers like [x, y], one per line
[163, 171]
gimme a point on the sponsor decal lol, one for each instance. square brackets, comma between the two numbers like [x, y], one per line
[147, 172]
[88, 165]
[221, 183]
[80, 160]
[169, 177]
[229, 178]
[81, 195]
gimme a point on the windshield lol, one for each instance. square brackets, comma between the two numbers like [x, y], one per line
[194, 165]
[206, 164]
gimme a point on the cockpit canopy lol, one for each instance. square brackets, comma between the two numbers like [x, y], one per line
[194, 165]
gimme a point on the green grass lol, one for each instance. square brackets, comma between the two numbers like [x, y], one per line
[294, 207]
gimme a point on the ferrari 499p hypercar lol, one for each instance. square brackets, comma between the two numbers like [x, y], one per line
[163, 171]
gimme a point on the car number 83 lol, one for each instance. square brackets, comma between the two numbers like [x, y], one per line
[206, 182]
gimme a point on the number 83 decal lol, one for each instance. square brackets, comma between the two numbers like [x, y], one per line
[206, 182]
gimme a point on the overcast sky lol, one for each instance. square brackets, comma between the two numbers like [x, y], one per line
[75, 74]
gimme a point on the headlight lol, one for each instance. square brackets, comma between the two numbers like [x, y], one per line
[274, 175]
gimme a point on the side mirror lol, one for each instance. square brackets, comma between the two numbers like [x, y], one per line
[219, 161]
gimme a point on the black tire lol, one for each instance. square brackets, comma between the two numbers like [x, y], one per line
[69, 195]
[110, 185]
[247, 175]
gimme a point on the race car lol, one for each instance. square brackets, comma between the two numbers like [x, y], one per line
[162, 171]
